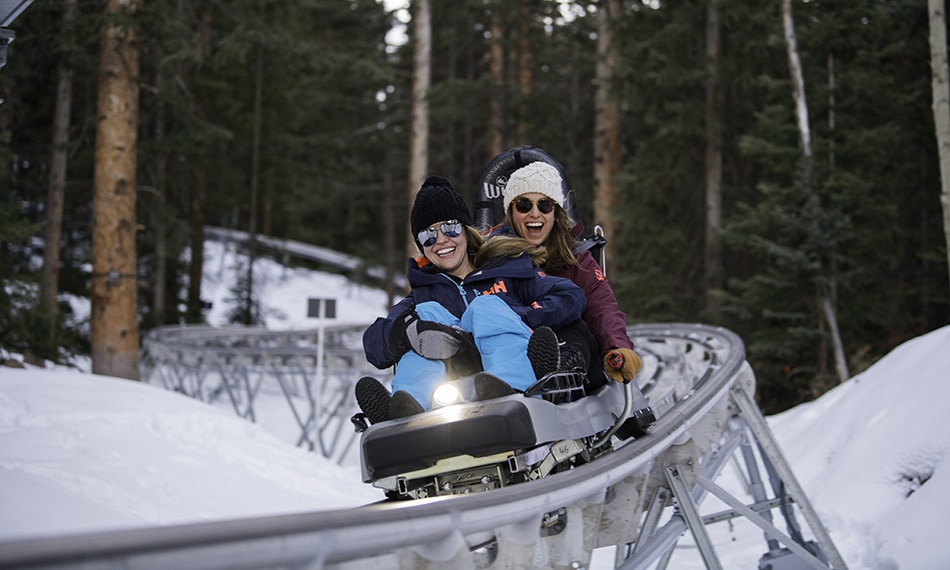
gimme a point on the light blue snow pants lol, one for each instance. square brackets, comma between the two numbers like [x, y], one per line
[500, 335]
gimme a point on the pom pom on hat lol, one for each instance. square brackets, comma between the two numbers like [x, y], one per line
[539, 177]
[437, 201]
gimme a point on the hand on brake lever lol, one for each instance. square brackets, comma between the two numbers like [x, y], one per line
[622, 364]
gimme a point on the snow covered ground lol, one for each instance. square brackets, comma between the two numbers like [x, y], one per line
[81, 453]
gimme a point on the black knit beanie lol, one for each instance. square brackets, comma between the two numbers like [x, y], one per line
[437, 201]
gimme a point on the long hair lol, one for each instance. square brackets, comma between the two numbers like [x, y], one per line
[509, 246]
[475, 242]
[560, 242]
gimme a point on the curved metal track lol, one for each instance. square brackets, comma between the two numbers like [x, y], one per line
[692, 374]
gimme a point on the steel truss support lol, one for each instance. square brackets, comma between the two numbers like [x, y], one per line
[654, 546]
[773, 458]
[684, 502]
[233, 364]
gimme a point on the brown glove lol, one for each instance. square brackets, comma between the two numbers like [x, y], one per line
[621, 364]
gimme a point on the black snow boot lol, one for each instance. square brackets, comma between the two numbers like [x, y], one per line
[404, 405]
[488, 387]
[571, 359]
[544, 352]
[373, 398]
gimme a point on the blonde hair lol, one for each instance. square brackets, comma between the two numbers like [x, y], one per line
[560, 242]
[509, 246]
[475, 242]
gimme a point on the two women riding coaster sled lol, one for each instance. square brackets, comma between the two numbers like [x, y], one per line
[533, 203]
[494, 291]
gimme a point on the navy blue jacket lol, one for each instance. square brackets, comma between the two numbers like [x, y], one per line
[538, 298]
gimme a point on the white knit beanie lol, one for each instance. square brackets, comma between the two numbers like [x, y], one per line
[538, 177]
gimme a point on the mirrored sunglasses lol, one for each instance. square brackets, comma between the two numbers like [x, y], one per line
[524, 205]
[428, 236]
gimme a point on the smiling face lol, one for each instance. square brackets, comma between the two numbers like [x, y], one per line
[449, 253]
[532, 225]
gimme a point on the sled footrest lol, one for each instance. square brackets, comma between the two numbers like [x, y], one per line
[559, 387]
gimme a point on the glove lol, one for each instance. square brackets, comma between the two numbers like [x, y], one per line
[621, 364]
[398, 338]
[433, 340]
[428, 339]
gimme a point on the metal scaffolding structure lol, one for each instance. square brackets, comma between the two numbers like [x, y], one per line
[313, 369]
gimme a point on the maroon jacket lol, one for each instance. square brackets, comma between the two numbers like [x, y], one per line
[603, 316]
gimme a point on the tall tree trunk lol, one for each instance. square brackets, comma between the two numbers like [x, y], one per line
[160, 216]
[525, 76]
[472, 163]
[825, 297]
[194, 305]
[196, 266]
[250, 316]
[419, 128]
[389, 229]
[798, 84]
[496, 73]
[713, 163]
[57, 180]
[829, 298]
[831, 113]
[267, 228]
[941, 105]
[114, 320]
[607, 129]
[577, 91]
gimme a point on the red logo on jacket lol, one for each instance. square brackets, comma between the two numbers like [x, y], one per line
[497, 287]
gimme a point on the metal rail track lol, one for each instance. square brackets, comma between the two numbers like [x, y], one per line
[698, 381]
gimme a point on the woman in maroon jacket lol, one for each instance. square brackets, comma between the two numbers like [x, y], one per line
[533, 205]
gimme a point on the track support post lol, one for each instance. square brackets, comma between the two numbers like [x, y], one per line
[769, 446]
[694, 521]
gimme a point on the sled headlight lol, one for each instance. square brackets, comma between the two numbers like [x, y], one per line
[446, 395]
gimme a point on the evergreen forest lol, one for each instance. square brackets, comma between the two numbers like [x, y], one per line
[293, 119]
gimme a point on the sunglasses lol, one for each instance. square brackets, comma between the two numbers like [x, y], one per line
[428, 236]
[524, 205]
